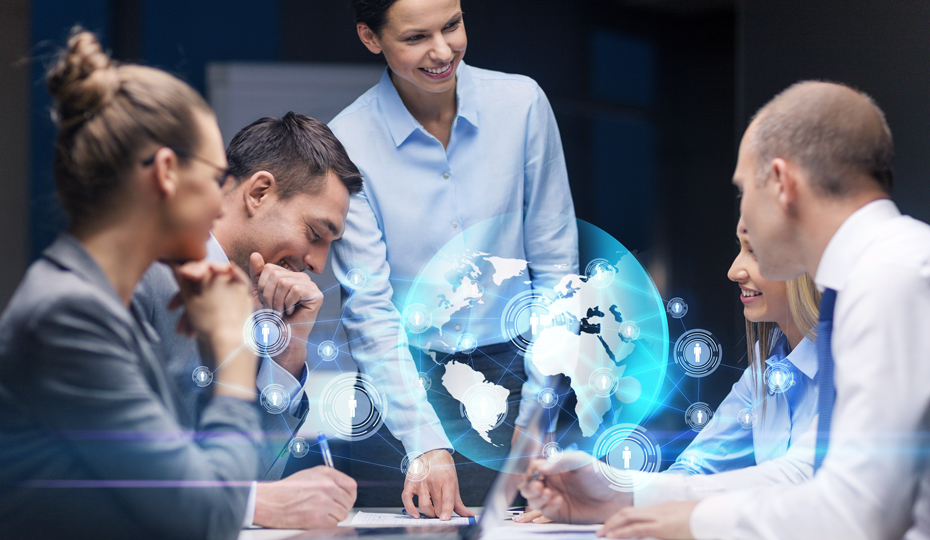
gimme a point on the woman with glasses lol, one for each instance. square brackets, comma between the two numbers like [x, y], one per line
[90, 442]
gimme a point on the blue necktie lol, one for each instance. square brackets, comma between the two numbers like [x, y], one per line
[826, 391]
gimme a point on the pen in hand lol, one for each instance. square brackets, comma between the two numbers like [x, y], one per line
[324, 449]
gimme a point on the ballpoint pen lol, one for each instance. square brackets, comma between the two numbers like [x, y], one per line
[324, 449]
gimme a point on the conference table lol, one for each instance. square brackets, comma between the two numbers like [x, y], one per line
[507, 529]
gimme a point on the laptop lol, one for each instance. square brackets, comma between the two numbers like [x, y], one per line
[496, 503]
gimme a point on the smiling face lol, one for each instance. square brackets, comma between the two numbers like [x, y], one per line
[295, 233]
[763, 300]
[423, 43]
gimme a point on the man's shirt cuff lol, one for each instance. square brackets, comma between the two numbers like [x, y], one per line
[249, 518]
[269, 372]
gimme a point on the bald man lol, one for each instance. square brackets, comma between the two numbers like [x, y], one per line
[814, 173]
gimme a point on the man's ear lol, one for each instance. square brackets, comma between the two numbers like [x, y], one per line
[258, 191]
[164, 173]
[368, 38]
[785, 180]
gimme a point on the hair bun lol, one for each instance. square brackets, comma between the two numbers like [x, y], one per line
[83, 80]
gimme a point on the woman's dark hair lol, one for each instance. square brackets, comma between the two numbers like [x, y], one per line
[106, 113]
[372, 12]
[297, 150]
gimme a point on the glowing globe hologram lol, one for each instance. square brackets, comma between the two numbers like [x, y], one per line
[630, 457]
[415, 467]
[676, 308]
[552, 452]
[266, 333]
[603, 382]
[352, 406]
[746, 418]
[699, 415]
[698, 353]
[422, 381]
[600, 273]
[327, 351]
[564, 316]
[355, 279]
[547, 398]
[467, 344]
[417, 318]
[275, 399]
[298, 447]
[202, 376]
[778, 377]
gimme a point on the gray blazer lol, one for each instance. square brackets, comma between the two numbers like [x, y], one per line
[181, 356]
[91, 443]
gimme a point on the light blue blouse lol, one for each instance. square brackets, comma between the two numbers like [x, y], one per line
[725, 444]
[504, 156]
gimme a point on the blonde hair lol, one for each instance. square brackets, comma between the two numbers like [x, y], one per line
[106, 113]
[804, 307]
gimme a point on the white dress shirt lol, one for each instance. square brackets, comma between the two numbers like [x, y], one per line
[269, 372]
[879, 264]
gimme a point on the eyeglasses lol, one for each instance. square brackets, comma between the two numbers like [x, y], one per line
[221, 178]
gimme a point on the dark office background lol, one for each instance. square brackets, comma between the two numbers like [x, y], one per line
[651, 97]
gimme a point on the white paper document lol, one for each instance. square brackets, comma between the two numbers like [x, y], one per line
[371, 519]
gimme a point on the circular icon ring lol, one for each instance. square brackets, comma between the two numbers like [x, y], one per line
[600, 273]
[355, 279]
[327, 351]
[352, 406]
[467, 344]
[415, 467]
[525, 320]
[676, 308]
[417, 318]
[298, 447]
[552, 452]
[275, 399]
[202, 376]
[746, 418]
[778, 377]
[698, 353]
[629, 331]
[603, 382]
[692, 461]
[630, 457]
[699, 415]
[422, 381]
[484, 407]
[266, 333]
[547, 398]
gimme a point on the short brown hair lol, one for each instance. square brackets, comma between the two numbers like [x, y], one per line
[297, 150]
[105, 114]
[832, 130]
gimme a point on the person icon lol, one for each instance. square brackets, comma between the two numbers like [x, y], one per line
[274, 398]
[420, 382]
[353, 403]
[627, 455]
[697, 352]
[700, 417]
[677, 309]
[748, 420]
[547, 398]
[604, 382]
[484, 407]
[778, 378]
[203, 376]
[416, 318]
[297, 447]
[327, 350]
[355, 279]
[265, 332]
[551, 453]
[691, 459]
[534, 322]
[629, 331]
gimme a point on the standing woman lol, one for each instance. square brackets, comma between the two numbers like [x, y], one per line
[90, 442]
[443, 146]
